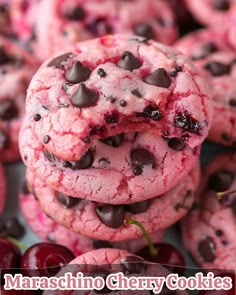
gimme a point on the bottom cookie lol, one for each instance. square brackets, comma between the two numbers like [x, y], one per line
[49, 230]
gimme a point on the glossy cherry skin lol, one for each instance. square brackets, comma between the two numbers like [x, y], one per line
[168, 255]
[45, 259]
[10, 257]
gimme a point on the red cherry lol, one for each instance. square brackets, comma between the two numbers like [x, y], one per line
[9, 258]
[45, 259]
[166, 254]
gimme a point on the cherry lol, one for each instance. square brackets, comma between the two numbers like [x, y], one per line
[161, 253]
[166, 254]
[17, 292]
[45, 259]
[9, 257]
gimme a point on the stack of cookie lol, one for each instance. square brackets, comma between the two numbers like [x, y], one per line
[112, 133]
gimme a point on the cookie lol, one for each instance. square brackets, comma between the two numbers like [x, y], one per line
[216, 62]
[2, 189]
[211, 12]
[139, 166]
[77, 20]
[103, 262]
[209, 230]
[112, 85]
[16, 70]
[48, 230]
[108, 222]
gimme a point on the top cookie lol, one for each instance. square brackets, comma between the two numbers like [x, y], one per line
[117, 84]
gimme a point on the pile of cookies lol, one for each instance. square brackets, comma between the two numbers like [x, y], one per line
[112, 134]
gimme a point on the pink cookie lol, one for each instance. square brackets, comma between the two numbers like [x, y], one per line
[49, 230]
[209, 230]
[217, 64]
[138, 165]
[103, 262]
[107, 222]
[211, 12]
[112, 85]
[71, 21]
[16, 70]
[2, 189]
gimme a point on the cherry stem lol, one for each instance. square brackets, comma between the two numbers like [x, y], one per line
[220, 195]
[20, 245]
[152, 249]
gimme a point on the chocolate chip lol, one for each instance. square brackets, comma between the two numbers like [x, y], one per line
[99, 27]
[37, 117]
[49, 156]
[232, 102]
[59, 61]
[46, 139]
[67, 164]
[207, 249]
[85, 162]
[219, 233]
[14, 228]
[114, 141]
[173, 73]
[84, 97]
[151, 112]
[159, 78]
[179, 69]
[144, 30]
[210, 47]
[218, 69]
[101, 73]
[102, 273]
[99, 244]
[128, 61]
[104, 161]
[4, 140]
[111, 215]
[139, 207]
[187, 123]
[225, 136]
[176, 144]
[123, 103]
[133, 264]
[4, 57]
[141, 157]
[86, 139]
[137, 93]
[25, 189]
[67, 201]
[112, 118]
[221, 180]
[222, 5]
[77, 73]
[111, 99]
[98, 130]
[138, 170]
[76, 14]
[8, 109]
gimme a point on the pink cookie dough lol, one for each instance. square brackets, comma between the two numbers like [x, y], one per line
[49, 231]
[71, 21]
[217, 62]
[16, 70]
[117, 84]
[138, 165]
[103, 262]
[213, 13]
[208, 232]
[108, 222]
[2, 189]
